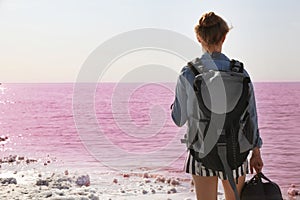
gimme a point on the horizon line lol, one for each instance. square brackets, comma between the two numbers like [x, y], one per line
[69, 82]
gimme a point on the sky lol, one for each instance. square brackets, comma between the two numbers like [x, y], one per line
[50, 40]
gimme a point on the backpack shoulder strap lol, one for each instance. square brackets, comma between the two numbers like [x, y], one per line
[236, 66]
[194, 66]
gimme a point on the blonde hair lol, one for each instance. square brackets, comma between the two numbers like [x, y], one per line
[211, 28]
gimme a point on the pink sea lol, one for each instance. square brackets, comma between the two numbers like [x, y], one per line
[127, 127]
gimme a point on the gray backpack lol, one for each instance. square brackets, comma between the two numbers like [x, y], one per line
[223, 100]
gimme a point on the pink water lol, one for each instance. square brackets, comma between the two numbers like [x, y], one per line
[128, 127]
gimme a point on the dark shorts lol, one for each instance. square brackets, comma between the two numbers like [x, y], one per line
[194, 167]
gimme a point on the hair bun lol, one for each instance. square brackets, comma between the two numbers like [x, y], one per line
[209, 19]
[211, 29]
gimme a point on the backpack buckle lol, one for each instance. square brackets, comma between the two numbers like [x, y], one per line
[222, 138]
[236, 66]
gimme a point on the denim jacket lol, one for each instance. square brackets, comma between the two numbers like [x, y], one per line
[185, 105]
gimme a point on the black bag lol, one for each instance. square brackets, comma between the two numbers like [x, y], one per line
[256, 189]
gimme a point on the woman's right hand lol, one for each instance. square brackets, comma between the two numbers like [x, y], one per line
[256, 161]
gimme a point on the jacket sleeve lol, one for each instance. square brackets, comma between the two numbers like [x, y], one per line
[253, 116]
[179, 109]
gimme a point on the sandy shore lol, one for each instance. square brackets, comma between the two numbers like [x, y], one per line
[38, 181]
[36, 185]
[28, 178]
[33, 184]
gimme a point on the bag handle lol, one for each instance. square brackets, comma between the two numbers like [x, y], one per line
[262, 176]
[258, 178]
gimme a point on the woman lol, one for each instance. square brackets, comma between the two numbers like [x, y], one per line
[211, 33]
